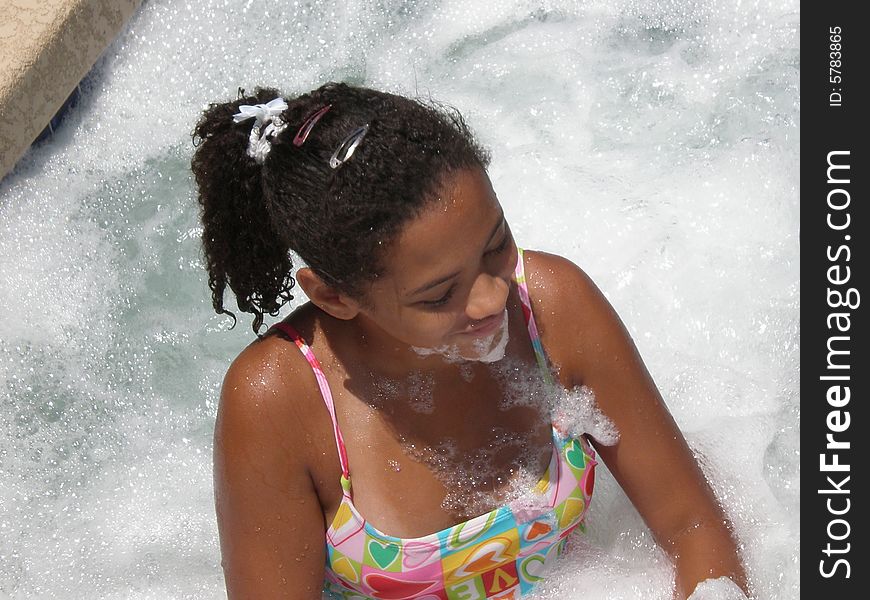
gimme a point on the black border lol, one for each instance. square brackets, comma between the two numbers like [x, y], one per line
[827, 128]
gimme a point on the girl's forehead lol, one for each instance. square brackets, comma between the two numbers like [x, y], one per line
[465, 204]
[448, 233]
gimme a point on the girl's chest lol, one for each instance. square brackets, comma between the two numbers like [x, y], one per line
[424, 455]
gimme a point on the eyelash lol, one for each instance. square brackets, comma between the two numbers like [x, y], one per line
[500, 248]
[446, 297]
[442, 300]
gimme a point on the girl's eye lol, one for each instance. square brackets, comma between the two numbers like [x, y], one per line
[442, 300]
[500, 247]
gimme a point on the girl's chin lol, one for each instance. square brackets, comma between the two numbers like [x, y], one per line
[486, 348]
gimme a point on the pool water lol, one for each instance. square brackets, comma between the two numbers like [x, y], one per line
[653, 143]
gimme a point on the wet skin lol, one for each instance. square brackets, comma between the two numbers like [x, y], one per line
[276, 465]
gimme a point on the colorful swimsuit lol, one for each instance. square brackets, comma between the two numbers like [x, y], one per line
[500, 554]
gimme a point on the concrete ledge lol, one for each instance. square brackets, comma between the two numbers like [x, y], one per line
[46, 48]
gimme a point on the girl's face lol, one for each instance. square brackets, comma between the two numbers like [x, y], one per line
[448, 274]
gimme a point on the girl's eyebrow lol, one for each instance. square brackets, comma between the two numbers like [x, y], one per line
[440, 280]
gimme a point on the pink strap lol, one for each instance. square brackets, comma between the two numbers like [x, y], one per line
[526, 302]
[324, 390]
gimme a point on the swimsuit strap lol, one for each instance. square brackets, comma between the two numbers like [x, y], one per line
[324, 391]
[522, 288]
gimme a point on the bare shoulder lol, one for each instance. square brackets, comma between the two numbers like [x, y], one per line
[575, 320]
[554, 280]
[267, 392]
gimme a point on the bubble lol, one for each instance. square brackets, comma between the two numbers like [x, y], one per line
[473, 485]
[416, 390]
[576, 413]
[420, 393]
[523, 387]
[466, 372]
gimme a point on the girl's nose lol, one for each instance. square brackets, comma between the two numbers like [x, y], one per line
[488, 297]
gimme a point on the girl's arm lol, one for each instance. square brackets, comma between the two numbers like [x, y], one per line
[651, 460]
[269, 517]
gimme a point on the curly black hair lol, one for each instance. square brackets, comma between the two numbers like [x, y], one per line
[339, 221]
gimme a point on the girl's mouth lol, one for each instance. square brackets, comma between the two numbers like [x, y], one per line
[487, 326]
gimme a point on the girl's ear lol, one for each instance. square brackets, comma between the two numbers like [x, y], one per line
[326, 297]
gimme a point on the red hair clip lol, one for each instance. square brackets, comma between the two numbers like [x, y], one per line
[308, 125]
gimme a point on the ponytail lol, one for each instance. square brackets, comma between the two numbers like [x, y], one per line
[242, 250]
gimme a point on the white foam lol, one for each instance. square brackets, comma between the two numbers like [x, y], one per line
[576, 413]
[489, 352]
[486, 349]
[718, 589]
[416, 390]
[479, 480]
[523, 386]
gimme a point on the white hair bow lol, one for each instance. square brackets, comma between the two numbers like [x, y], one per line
[258, 142]
[260, 112]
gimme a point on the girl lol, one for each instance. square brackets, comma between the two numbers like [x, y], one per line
[388, 438]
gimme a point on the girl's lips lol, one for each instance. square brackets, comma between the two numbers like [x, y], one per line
[486, 326]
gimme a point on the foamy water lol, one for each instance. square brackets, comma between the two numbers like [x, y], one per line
[652, 143]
